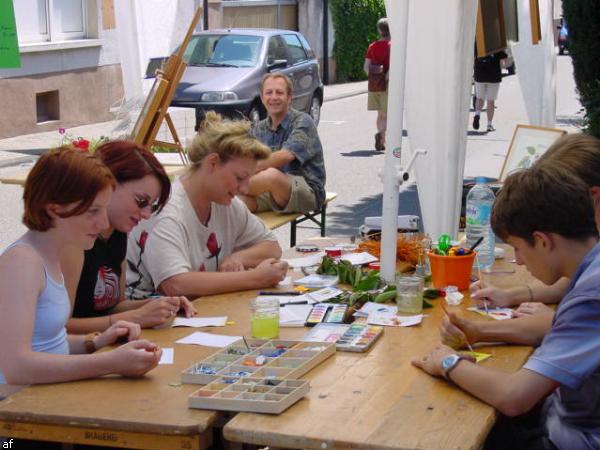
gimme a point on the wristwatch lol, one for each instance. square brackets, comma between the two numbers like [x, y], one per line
[449, 363]
[88, 342]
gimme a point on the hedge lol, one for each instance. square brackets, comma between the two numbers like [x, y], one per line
[355, 23]
[583, 22]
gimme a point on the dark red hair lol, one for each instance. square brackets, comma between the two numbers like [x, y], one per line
[63, 176]
[128, 162]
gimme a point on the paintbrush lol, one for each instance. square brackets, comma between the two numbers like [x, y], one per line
[448, 314]
[481, 280]
[246, 344]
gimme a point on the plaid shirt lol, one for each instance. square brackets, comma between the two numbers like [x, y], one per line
[298, 134]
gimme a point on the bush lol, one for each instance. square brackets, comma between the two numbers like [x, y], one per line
[355, 23]
[583, 21]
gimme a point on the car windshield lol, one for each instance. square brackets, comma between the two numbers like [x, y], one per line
[223, 50]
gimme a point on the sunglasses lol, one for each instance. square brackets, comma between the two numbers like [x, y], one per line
[143, 203]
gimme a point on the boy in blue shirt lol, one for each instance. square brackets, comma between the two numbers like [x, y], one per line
[546, 214]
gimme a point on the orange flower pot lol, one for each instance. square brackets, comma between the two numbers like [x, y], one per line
[451, 270]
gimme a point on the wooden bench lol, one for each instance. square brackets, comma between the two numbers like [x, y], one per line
[274, 219]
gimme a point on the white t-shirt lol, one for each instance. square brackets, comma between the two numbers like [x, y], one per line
[175, 241]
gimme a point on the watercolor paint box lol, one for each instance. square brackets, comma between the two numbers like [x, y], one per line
[358, 337]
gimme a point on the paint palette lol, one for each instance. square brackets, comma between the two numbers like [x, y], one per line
[268, 359]
[271, 396]
[358, 337]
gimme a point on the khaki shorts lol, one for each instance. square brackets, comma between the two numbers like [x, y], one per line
[302, 198]
[486, 91]
[377, 101]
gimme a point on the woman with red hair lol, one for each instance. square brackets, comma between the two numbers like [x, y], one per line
[96, 279]
[67, 194]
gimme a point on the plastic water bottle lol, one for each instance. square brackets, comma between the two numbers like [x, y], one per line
[479, 210]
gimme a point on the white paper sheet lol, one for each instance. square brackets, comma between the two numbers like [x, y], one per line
[494, 313]
[317, 281]
[199, 322]
[294, 315]
[305, 261]
[208, 339]
[370, 307]
[167, 357]
[322, 295]
[358, 259]
[392, 320]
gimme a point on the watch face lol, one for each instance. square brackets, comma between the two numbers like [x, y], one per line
[449, 361]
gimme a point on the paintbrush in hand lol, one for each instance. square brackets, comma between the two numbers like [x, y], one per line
[448, 314]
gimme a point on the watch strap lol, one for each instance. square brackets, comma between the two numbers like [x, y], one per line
[447, 371]
[88, 342]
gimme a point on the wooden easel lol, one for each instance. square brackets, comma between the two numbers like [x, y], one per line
[156, 106]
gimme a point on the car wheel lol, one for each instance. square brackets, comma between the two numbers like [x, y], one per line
[315, 109]
[255, 115]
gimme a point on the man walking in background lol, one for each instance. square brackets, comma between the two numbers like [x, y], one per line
[488, 75]
[377, 66]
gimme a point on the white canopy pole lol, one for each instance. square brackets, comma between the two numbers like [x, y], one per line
[438, 79]
[397, 13]
[536, 65]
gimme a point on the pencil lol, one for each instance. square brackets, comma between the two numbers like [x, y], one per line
[448, 314]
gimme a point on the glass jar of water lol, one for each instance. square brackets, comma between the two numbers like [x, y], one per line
[409, 294]
[264, 318]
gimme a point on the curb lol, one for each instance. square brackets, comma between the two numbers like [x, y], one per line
[10, 162]
[346, 95]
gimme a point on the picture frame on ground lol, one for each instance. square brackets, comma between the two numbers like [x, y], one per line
[527, 145]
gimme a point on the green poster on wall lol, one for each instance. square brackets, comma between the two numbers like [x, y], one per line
[9, 45]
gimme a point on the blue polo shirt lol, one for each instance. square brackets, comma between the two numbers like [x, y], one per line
[570, 355]
[298, 134]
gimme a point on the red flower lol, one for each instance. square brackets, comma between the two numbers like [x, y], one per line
[142, 242]
[202, 268]
[82, 144]
[212, 245]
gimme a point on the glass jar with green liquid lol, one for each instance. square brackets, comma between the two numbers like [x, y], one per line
[264, 318]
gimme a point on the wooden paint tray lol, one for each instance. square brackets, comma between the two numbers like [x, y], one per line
[268, 359]
[271, 396]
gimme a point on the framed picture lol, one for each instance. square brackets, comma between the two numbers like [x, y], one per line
[490, 32]
[536, 25]
[527, 145]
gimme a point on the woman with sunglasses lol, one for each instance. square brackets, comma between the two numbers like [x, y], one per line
[96, 280]
[66, 197]
[206, 241]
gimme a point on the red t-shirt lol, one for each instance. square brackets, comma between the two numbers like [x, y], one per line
[379, 53]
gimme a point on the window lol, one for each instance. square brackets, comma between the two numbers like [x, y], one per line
[50, 20]
[276, 50]
[295, 48]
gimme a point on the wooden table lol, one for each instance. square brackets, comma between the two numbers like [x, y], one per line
[19, 175]
[378, 400]
[371, 400]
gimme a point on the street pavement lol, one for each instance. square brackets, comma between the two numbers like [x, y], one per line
[346, 130]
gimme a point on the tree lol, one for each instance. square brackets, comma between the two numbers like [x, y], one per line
[583, 22]
[355, 23]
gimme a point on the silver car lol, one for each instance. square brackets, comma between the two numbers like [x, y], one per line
[225, 68]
